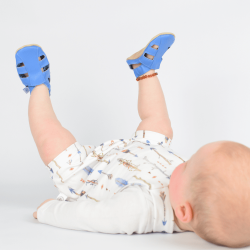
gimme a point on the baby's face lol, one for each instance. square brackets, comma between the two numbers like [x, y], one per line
[181, 176]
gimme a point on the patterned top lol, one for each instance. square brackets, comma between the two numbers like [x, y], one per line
[125, 180]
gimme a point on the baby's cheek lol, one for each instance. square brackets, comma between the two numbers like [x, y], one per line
[175, 186]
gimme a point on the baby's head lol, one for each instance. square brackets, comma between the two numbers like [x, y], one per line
[210, 193]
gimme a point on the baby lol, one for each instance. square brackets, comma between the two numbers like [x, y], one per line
[139, 184]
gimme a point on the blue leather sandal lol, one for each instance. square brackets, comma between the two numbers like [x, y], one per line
[33, 67]
[164, 41]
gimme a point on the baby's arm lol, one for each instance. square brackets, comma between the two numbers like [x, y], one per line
[50, 136]
[126, 212]
[152, 107]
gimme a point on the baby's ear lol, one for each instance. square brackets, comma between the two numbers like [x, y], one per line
[184, 213]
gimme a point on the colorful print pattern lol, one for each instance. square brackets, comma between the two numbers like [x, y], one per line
[98, 173]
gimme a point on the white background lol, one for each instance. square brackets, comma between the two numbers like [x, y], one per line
[204, 76]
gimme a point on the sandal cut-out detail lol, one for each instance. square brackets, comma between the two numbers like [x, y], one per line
[24, 75]
[140, 52]
[41, 57]
[20, 65]
[146, 55]
[46, 68]
[153, 46]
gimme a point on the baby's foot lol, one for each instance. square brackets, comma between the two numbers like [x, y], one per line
[147, 55]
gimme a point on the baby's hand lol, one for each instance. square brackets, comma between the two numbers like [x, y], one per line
[35, 213]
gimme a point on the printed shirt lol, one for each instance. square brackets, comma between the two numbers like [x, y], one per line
[125, 188]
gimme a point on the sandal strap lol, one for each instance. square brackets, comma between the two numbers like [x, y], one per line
[141, 70]
[146, 61]
[149, 50]
[156, 64]
[21, 70]
[44, 62]
[25, 81]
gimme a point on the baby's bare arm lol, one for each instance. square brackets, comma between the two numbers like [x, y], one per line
[50, 136]
[152, 107]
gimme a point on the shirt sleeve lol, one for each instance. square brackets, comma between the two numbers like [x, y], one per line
[127, 212]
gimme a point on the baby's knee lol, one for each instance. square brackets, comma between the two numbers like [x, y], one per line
[160, 125]
[54, 144]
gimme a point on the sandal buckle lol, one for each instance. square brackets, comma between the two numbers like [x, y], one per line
[26, 90]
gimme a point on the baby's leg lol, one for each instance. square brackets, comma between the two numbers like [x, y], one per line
[152, 106]
[49, 135]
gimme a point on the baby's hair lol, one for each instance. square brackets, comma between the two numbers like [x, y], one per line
[220, 196]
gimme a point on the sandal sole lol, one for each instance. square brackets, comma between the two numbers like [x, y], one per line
[28, 45]
[140, 52]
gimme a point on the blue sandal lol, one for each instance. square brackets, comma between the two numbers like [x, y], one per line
[33, 67]
[164, 41]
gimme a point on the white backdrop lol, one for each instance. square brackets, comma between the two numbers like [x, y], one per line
[205, 78]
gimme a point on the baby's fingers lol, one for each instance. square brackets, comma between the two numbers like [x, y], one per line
[35, 215]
